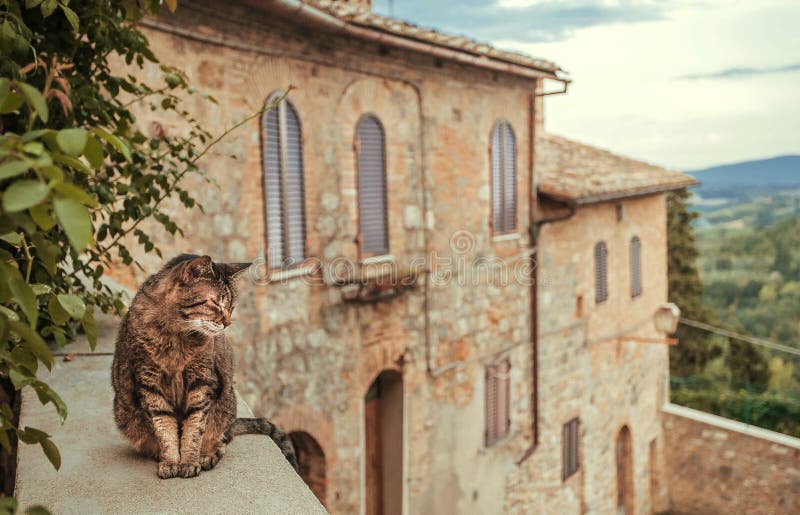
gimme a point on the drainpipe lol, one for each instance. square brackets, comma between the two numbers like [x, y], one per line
[535, 229]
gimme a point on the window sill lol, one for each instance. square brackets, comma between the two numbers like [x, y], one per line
[513, 236]
[377, 260]
[275, 276]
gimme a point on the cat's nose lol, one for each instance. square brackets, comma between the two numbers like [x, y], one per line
[226, 320]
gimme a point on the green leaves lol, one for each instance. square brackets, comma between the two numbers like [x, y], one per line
[34, 342]
[88, 162]
[24, 194]
[35, 100]
[72, 304]
[31, 435]
[74, 218]
[72, 18]
[117, 143]
[25, 298]
[89, 325]
[13, 168]
[72, 141]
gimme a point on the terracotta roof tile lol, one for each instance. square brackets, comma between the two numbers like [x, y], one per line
[360, 15]
[571, 171]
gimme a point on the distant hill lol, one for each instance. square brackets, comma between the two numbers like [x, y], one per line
[749, 177]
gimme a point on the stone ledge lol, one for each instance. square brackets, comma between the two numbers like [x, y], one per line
[101, 474]
[731, 425]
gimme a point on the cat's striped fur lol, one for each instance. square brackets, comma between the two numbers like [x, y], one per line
[173, 369]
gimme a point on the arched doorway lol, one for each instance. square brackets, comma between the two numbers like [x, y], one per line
[624, 452]
[310, 462]
[383, 442]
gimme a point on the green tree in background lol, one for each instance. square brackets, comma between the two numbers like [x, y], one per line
[748, 365]
[695, 349]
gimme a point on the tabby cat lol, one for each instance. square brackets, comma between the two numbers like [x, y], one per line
[173, 369]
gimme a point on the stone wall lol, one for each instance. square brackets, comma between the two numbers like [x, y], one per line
[716, 466]
[590, 369]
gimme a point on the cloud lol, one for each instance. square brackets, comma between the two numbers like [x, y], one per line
[737, 73]
[540, 21]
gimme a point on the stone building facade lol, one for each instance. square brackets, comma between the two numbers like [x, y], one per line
[388, 369]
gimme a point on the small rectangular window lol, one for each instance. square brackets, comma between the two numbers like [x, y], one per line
[600, 272]
[570, 448]
[636, 266]
[498, 419]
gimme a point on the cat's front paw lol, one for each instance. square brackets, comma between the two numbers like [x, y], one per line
[189, 469]
[168, 469]
[209, 461]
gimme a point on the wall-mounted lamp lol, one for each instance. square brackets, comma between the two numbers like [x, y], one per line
[666, 318]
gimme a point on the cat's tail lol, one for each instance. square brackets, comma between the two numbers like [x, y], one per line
[262, 426]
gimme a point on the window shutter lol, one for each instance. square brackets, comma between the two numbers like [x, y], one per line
[491, 406]
[600, 269]
[503, 399]
[497, 181]
[284, 189]
[295, 218]
[498, 401]
[569, 453]
[636, 266]
[273, 191]
[509, 180]
[504, 179]
[371, 169]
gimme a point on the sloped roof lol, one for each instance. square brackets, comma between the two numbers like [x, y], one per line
[581, 174]
[359, 15]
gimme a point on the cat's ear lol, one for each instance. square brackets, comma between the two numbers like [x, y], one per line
[196, 268]
[234, 269]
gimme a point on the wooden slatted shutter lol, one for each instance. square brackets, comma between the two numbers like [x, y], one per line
[273, 190]
[504, 179]
[503, 398]
[371, 174]
[491, 406]
[284, 188]
[294, 198]
[601, 272]
[569, 452]
[636, 266]
[498, 401]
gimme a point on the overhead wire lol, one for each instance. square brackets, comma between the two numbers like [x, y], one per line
[738, 336]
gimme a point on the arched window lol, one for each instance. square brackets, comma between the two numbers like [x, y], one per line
[600, 272]
[504, 179]
[373, 234]
[284, 189]
[310, 462]
[636, 266]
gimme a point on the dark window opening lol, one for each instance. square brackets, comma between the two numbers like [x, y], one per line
[570, 457]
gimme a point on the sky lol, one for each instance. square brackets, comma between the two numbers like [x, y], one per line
[681, 83]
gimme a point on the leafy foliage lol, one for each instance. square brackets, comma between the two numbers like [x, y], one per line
[77, 177]
[774, 410]
[759, 292]
[685, 288]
